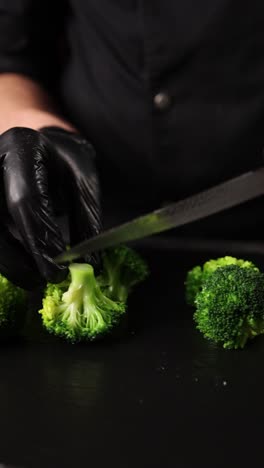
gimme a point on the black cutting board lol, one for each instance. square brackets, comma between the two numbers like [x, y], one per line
[159, 397]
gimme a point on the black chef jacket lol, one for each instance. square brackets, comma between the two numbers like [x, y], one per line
[171, 93]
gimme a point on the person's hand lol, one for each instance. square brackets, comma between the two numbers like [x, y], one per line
[42, 174]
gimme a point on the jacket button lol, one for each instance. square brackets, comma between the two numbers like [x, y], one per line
[162, 101]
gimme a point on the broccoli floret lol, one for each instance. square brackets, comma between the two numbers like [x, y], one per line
[198, 275]
[123, 268]
[193, 284]
[13, 308]
[77, 309]
[230, 306]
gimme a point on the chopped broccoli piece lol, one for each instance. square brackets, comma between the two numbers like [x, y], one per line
[123, 268]
[77, 309]
[82, 307]
[13, 308]
[198, 275]
[230, 306]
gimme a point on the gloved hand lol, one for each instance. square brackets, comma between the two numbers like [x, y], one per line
[44, 174]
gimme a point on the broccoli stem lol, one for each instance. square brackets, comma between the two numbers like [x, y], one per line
[118, 291]
[82, 274]
[85, 298]
[121, 292]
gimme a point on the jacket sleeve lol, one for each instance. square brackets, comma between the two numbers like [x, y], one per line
[29, 35]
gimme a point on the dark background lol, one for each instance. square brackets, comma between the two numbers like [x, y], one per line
[159, 396]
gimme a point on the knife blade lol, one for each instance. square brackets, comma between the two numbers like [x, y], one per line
[223, 196]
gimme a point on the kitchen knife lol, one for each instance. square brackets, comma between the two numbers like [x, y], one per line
[213, 200]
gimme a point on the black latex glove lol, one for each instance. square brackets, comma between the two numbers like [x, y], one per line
[42, 175]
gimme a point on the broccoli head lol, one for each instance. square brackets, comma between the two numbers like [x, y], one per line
[123, 268]
[198, 275]
[77, 309]
[13, 308]
[230, 306]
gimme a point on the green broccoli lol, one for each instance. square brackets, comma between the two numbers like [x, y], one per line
[13, 308]
[230, 306]
[123, 268]
[77, 309]
[198, 275]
